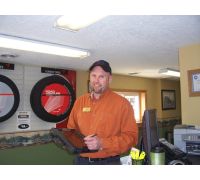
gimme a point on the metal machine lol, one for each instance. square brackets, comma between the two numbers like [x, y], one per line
[187, 138]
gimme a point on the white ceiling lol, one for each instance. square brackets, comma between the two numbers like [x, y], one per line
[130, 43]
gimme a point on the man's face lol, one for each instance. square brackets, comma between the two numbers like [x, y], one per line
[99, 80]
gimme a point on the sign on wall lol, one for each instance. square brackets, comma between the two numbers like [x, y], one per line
[7, 66]
[23, 120]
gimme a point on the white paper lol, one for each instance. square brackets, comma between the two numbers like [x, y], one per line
[196, 83]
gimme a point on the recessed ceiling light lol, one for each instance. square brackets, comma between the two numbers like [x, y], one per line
[170, 72]
[77, 22]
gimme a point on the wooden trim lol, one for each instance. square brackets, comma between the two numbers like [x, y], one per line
[139, 125]
[139, 92]
[128, 90]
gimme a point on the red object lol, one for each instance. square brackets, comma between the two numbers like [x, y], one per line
[55, 99]
[71, 77]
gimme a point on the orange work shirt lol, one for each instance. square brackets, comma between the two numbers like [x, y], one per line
[111, 118]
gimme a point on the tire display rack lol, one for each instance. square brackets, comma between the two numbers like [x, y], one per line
[9, 98]
[52, 98]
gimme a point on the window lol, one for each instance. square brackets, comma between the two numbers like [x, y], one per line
[137, 99]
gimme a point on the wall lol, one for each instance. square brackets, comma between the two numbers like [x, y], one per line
[81, 83]
[152, 86]
[189, 59]
[25, 78]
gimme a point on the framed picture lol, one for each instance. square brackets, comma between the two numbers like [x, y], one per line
[194, 82]
[168, 99]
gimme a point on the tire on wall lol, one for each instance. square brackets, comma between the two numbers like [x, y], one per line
[52, 98]
[9, 98]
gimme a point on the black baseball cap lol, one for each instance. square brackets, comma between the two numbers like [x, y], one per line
[103, 64]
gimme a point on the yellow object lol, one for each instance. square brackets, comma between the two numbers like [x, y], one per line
[136, 155]
[142, 155]
[86, 109]
[132, 155]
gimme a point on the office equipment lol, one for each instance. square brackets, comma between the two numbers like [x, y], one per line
[171, 149]
[150, 137]
[150, 140]
[187, 138]
[70, 139]
[174, 155]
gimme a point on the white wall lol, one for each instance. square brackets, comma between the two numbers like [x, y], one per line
[25, 78]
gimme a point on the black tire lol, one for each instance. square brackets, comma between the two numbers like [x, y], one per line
[12, 105]
[37, 95]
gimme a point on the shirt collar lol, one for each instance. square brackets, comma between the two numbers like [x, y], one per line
[101, 96]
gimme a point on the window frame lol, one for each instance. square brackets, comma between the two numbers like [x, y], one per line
[141, 108]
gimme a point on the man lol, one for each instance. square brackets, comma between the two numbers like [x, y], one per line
[105, 118]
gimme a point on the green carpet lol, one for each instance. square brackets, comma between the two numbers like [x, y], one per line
[44, 154]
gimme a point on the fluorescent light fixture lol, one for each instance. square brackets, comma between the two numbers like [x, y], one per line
[77, 22]
[170, 72]
[18, 43]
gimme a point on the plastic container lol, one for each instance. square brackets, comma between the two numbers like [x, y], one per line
[157, 156]
[137, 161]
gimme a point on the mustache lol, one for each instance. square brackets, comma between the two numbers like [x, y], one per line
[97, 91]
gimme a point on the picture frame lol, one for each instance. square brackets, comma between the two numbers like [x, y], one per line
[194, 82]
[168, 99]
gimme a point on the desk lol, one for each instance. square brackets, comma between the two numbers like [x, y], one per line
[42, 154]
[194, 159]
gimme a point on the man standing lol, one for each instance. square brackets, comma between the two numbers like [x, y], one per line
[105, 118]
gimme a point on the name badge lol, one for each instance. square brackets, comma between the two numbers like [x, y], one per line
[86, 109]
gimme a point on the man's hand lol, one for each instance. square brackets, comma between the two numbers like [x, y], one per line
[93, 142]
